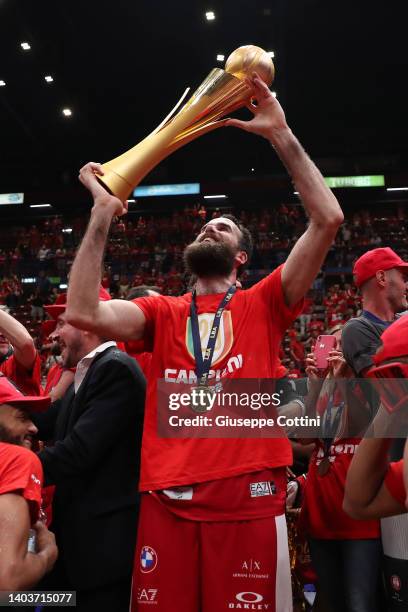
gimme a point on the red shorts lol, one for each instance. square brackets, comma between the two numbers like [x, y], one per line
[189, 565]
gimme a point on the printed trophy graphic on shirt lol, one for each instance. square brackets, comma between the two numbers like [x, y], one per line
[222, 92]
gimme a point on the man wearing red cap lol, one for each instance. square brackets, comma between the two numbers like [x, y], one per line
[382, 276]
[21, 478]
[19, 359]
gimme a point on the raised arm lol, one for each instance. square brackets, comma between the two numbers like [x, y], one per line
[23, 344]
[366, 495]
[116, 319]
[322, 208]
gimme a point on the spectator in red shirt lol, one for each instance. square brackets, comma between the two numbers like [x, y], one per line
[315, 324]
[293, 372]
[20, 494]
[19, 359]
[335, 317]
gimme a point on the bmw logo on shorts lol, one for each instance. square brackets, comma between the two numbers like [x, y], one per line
[148, 559]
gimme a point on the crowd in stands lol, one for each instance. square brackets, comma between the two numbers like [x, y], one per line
[148, 251]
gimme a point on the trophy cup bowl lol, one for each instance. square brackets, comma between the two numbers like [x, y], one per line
[221, 93]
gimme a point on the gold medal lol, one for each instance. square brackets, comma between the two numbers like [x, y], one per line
[323, 466]
[201, 398]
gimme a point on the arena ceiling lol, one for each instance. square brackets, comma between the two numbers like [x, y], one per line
[121, 65]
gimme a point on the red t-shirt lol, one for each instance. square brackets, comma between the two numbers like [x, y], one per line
[295, 373]
[250, 333]
[322, 515]
[53, 377]
[394, 481]
[136, 349]
[28, 382]
[21, 472]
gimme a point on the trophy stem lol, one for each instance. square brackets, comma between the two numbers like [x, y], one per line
[219, 94]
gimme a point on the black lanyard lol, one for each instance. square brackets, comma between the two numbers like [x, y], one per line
[203, 364]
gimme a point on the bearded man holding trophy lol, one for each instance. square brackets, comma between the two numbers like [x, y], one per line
[212, 531]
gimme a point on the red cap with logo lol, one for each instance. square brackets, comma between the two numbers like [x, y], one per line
[371, 262]
[9, 394]
[394, 342]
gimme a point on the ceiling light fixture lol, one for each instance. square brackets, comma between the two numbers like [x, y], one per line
[48, 78]
[397, 188]
[210, 15]
[271, 53]
[25, 46]
[67, 112]
[40, 205]
[2, 83]
[220, 57]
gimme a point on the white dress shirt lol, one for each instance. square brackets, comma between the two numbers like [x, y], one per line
[85, 363]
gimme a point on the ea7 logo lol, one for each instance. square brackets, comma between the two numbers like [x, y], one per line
[259, 489]
[147, 595]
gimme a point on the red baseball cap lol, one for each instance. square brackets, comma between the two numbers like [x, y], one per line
[371, 262]
[55, 310]
[9, 394]
[394, 341]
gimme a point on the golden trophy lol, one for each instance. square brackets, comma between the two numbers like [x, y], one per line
[222, 92]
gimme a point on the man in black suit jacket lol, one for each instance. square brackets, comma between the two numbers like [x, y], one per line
[94, 463]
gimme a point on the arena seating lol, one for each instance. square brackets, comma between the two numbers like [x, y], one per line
[147, 249]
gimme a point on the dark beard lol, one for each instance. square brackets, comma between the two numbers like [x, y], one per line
[5, 436]
[209, 259]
